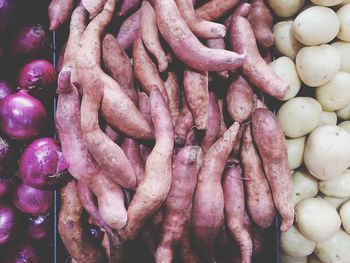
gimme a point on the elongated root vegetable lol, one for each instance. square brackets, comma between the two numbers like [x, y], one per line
[127, 6]
[129, 30]
[150, 35]
[208, 204]
[261, 20]
[234, 210]
[59, 12]
[214, 9]
[255, 68]
[185, 44]
[172, 87]
[176, 208]
[266, 131]
[187, 251]
[197, 96]
[240, 100]
[153, 190]
[70, 227]
[132, 151]
[218, 43]
[200, 27]
[93, 7]
[259, 198]
[223, 126]
[184, 123]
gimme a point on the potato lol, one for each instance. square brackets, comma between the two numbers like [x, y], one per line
[313, 259]
[288, 259]
[335, 202]
[345, 125]
[316, 219]
[345, 216]
[338, 186]
[343, 49]
[327, 152]
[285, 41]
[345, 2]
[335, 94]
[344, 17]
[344, 113]
[285, 68]
[327, 118]
[336, 249]
[295, 148]
[317, 65]
[327, 2]
[294, 244]
[299, 116]
[286, 8]
[304, 186]
[322, 20]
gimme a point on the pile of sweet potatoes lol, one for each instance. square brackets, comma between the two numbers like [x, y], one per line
[166, 129]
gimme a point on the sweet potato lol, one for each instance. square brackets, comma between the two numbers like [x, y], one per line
[70, 228]
[208, 204]
[214, 9]
[117, 65]
[266, 131]
[184, 123]
[258, 194]
[200, 27]
[132, 151]
[186, 46]
[234, 210]
[218, 43]
[112, 134]
[81, 164]
[254, 67]
[150, 35]
[187, 251]
[93, 6]
[261, 19]
[172, 88]
[59, 12]
[240, 99]
[223, 126]
[61, 58]
[211, 134]
[197, 96]
[129, 30]
[176, 207]
[153, 190]
[127, 6]
[146, 71]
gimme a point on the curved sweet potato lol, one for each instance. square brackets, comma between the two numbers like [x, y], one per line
[185, 44]
[266, 131]
[208, 204]
[176, 207]
[172, 88]
[200, 27]
[112, 134]
[127, 6]
[129, 30]
[150, 35]
[153, 190]
[132, 151]
[197, 96]
[254, 67]
[93, 6]
[214, 9]
[184, 123]
[59, 12]
[218, 43]
[261, 19]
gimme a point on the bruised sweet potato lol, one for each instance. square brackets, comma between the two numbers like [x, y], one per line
[129, 30]
[184, 123]
[172, 88]
[214, 9]
[208, 204]
[197, 96]
[153, 190]
[266, 131]
[178, 203]
[59, 12]
[127, 6]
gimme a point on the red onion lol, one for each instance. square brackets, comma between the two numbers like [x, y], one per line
[96, 233]
[42, 164]
[38, 77]
[7, 15]
[39, 227]
[30, 41]
[8, 221]
[32, 201]
[25, 253]
[22, 117]
[5, 186]
[5, 88]
[7, 154]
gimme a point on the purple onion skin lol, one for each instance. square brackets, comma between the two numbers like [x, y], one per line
[32, 201]
[8, 221]
[25, 253]
[5, 87]
[5, 186]
[30, 42]
[39, 227]
[22, 117]
[7, 15]
[96, 233]
[42, 164]
[7, 157]
[39, 78]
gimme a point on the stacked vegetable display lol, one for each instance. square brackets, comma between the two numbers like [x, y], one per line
[315, 121]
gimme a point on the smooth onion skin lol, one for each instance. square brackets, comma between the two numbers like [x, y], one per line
[39, 78]
[5, 87]
[42, 164]
[32, 201]
[8, 221]
[39, 227]
[25, 253]
[22, 117]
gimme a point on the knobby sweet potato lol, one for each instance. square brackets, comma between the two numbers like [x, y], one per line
[172, 88]
[266, 131]
[214, 9]
[129, 30]
[184, 123]
[127, 6]
[59, 12]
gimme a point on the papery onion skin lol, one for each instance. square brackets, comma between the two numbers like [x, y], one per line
[8, 221]
[39, 227]
[42, 164]
[22, 117]
[32, 201]
[5, 87]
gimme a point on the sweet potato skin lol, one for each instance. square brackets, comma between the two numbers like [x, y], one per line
[214, 9]
[59, 12]
[127, 6]
[93, 7]
[184, 123]
[132, 151]
[172, 87]
[129, 30]
[266, 131]
[218, 43]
